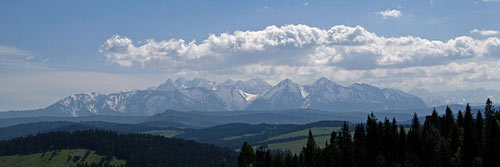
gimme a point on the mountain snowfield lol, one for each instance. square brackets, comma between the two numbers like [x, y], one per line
[204, 95]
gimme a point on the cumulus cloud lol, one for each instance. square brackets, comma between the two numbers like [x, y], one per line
[342, 53]
[390, 13]
[484, 32]
[297, 45]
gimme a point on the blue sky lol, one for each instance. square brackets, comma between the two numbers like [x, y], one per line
[52, 49]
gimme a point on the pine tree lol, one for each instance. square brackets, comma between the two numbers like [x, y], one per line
[488, 109]
[492, 136]
[456, 159]
[333, 138]
[460, 119]
[414, 135]
[440, 141]
[402, 145]
[268, 159]
[310, 151]
[247, 157]
[289, 161]
[359, 147]
[479, 138]
[345, 145]
[479, 121]
[478, 162]
[434, 119]
[372, 137]
[414, 141]
[278, 160]
[431, 144]
[469, 149]
[448, 123]
[260, 157]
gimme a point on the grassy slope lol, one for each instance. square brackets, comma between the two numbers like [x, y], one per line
[241, 136]
[295, 146]
[59, 158]
[322, 134]
[165, 133]
[316, 131]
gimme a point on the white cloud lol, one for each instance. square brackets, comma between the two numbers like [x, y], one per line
[484, 32]
[298, 45]
[390, 13]
[305, 4]
[303, 53]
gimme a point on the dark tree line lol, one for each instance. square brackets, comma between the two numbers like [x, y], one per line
[445, 140]
[139, 150]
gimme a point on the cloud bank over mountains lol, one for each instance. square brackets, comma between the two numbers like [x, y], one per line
[341, 53]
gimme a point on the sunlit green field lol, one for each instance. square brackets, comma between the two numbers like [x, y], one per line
[321, 134]
[239, 137]
[316, 131]
[59, 158]
[165, 133]
[295, 146]
[292, 141]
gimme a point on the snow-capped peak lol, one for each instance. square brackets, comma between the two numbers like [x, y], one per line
[226, 84]
[181, 83]
[285, 82]
[253, 86]
[324, 82]
[287, 87]
[200, 94]
[166, 86]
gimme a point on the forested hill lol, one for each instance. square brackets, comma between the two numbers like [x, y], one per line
[464, 140]
[136, 149]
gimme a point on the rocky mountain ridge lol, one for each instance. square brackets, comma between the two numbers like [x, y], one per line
[204, 95]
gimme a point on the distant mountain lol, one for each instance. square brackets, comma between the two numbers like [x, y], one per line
[253, 86]
[285, 95]
[138, 102]
[182, 83]
[329, 96]
[475, 97]
[203, 95]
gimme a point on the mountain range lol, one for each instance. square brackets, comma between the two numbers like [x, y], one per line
[475, 97]
[203, 95]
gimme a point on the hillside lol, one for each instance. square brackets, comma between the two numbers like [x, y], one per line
[139, 150]
[266, 135]
[200, 119]
[43, 127]
[60, 158]
[227, 135]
